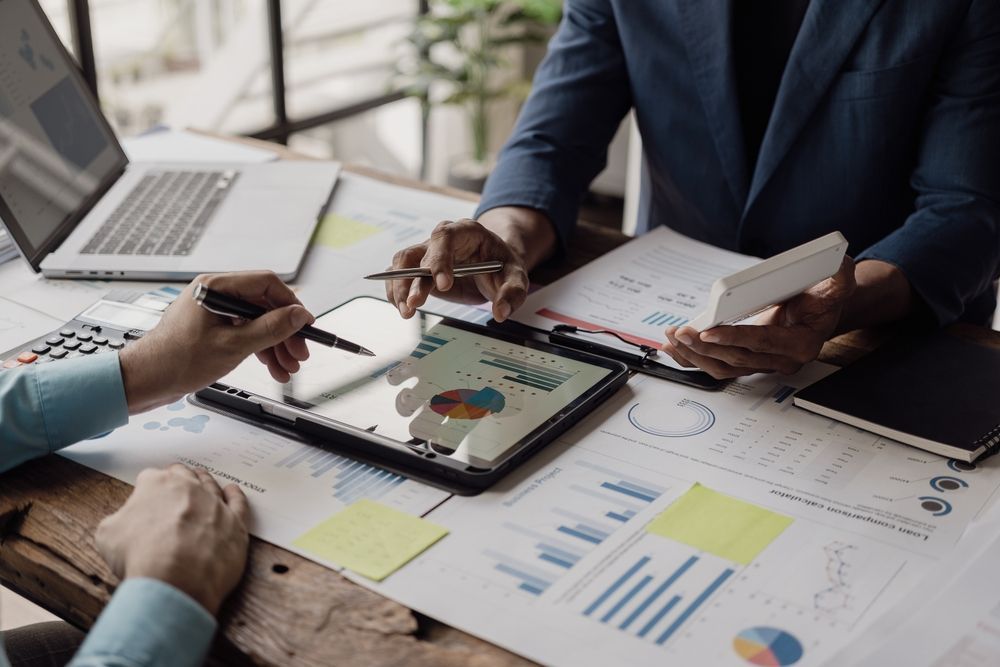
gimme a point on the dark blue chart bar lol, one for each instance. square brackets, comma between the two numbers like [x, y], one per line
[427, 345]
[651, 599]
[619, 582]
[693, 607]
[534, 375]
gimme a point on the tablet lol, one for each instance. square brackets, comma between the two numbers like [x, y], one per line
[457, 402]
[772, 281]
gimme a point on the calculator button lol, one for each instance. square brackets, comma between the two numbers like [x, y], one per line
[40, 349]
[67, 333]
[88, 348]
[43, 360]
[54, 341]
[84, 336]
[57, 354]
[11, 363]
[134, 334]
[100, 340]
[115, 344]
[71, 345]
[70, 355]
[27, 357]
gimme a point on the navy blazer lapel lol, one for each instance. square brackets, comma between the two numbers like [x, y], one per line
[707, 30]
[829, 31]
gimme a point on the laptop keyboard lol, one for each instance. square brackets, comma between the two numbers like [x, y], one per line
[164, 214]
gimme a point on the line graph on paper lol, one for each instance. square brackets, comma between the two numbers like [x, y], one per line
[834, 579]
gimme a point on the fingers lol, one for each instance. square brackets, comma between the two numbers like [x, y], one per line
[742, 350]
[397, 291]
[236, 500]
[511, 292]
[275, 369]
[256, 286]
[182, 470]
[718, 369]
[272, 328]
[208, 482]
[285, 359]
[441, 251]
[420, 289]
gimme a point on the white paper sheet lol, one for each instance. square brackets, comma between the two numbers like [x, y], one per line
[662, 278]
[291, 487]
[384, 219]
[951, 619]
[863, 533]
[19, 325]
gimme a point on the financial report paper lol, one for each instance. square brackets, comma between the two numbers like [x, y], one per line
[637, 290]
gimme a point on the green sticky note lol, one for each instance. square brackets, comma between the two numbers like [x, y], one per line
[719, 524]
[337, 232]
[370, 539]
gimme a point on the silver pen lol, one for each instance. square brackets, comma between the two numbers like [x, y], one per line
[460, 271]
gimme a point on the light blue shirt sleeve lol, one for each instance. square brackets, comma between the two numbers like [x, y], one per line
[148, 624]
[45, 408]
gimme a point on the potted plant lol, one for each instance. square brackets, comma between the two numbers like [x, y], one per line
[457, 50]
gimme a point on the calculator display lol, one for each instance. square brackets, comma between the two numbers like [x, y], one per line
[121, 315]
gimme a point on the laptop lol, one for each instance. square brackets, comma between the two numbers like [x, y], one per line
[77, 208]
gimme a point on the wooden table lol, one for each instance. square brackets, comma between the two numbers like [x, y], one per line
[288, 610]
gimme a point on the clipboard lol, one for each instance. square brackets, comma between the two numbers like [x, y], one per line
[642, 362]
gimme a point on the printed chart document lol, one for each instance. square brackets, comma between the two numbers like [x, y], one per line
[368, 222]
[660, 279]
[572, 561]
[951, 619]
[292, 487]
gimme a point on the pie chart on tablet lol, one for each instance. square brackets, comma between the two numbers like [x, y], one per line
[769, 647]
[468, 403]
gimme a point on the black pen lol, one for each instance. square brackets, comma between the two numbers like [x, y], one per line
[228, 306]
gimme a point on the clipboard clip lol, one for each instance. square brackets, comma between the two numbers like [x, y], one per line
[559, 334]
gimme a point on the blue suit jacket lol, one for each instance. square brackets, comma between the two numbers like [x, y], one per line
[886, 127]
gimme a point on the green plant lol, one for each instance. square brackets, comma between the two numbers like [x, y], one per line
[459, 44]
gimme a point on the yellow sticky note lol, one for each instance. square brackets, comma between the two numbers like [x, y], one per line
[370, 539]
[336, 231]
[719, 524]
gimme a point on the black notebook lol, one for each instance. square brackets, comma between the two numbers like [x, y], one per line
[937, 392]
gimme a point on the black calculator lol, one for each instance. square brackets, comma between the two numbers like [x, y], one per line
[119, 318]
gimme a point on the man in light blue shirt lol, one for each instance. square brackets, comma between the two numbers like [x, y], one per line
[180, 542]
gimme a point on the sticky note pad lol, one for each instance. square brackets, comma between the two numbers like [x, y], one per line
[336, 231]
[370, 539]
[719, 524]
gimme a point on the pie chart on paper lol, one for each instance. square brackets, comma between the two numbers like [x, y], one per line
[468, 403]
[769, 647]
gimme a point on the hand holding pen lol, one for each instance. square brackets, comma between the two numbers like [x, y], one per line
[453, 245]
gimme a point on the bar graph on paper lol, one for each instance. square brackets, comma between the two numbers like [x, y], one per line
[593, 502]
[349, 480]
[654, 589]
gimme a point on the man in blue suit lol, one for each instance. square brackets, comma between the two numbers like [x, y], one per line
[765, 124]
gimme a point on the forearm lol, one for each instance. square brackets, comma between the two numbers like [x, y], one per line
[883, 295]
[45, 408]
[528, 232]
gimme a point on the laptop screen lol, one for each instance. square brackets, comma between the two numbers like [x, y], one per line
[57, 153]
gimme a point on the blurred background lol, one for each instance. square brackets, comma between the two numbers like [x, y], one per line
[422, 88]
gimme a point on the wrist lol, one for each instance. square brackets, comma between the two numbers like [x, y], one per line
[883, 295]
[528, 232]
[146, 385]
[199, 594]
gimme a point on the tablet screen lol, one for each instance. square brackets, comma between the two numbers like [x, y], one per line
[435, 386]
